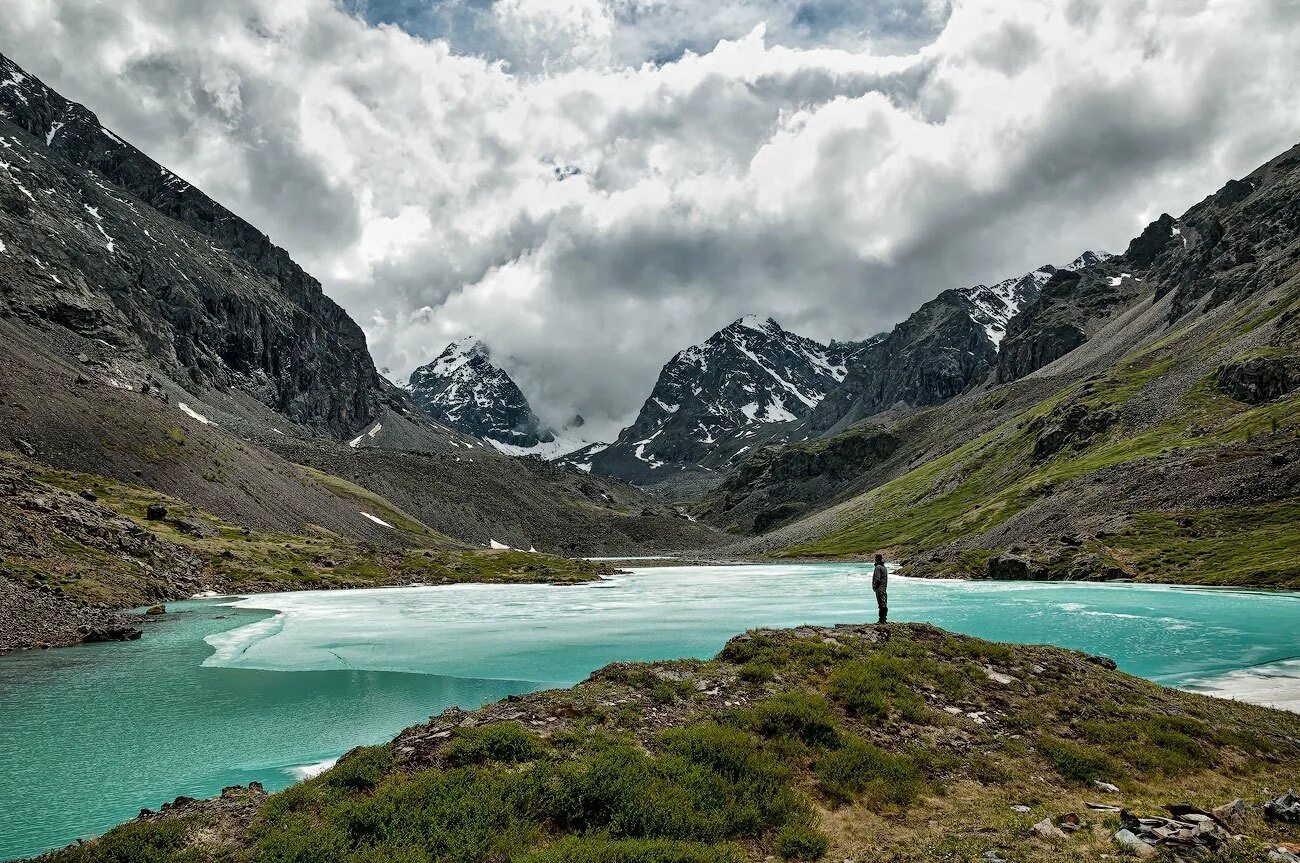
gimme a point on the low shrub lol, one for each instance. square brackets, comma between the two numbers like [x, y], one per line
[801, 716]
[802, 842]
[859, 769]
[506, 742]
[361, 769]
[876, 686]
[1076, 762]
[601, 849]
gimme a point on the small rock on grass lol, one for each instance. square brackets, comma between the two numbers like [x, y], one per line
[1129, 841]
[1106, 786]
[1045, 829]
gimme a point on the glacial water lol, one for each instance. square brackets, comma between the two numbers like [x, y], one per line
[273, 687]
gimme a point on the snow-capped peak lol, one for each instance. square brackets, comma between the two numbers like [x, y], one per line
[1087, 259]
[754, 322]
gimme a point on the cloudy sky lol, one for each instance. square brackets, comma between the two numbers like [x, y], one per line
[590, 185]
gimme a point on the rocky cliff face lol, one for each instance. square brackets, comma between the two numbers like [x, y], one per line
[724, 396]
[98, 238]
[463, 388]
[927, 359]
[776, 484]
[1071, 306]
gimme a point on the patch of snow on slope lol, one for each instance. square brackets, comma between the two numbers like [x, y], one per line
[777, 412]
[189, 411]
[99, 223]
[564, 443]
[499, 546]
[370, 433]
[377, 520]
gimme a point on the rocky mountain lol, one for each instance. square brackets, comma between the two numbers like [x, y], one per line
[464, 389]
[938, 352]
[715, 400]
[98, 238]
[1138, 421]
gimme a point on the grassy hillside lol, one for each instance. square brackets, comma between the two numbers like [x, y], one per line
[1146, 469]
[864, 743]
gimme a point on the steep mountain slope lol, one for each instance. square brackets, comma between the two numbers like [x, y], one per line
[100, 239]
[717, 399]
[464, 389]
[1157, 440]
[938, 352]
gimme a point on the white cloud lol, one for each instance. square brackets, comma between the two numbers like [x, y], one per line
[792, 169]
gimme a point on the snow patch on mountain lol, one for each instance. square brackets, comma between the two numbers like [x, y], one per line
[997, 304]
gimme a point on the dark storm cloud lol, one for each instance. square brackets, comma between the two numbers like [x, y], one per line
[792, 169]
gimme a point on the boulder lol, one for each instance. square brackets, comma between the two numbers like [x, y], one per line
[155, 512]
[1259, 379]
[1045, 829]
[1285, 808]
[193, 527]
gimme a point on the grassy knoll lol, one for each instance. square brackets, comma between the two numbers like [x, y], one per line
[894, 743]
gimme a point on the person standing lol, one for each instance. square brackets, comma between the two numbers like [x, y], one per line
[880, 584]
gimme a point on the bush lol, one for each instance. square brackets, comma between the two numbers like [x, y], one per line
[875, 686]
[506, 742]
[146, 842]
[794, 715]
[860, 769]
[361, 769]
[802, 842]
[1076, 762]
[599, 849]
[757, 671]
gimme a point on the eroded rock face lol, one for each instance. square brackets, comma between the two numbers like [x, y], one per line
[777, 483]
[1259, 379]
[1075, 425]
[929, 358]
[104, 241]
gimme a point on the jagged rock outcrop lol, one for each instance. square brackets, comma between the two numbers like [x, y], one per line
[1073, 304]
[1259, 379]
[98, 238]
[929, 358]
[1073, 425]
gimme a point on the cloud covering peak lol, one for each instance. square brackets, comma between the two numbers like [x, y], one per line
[590, 185]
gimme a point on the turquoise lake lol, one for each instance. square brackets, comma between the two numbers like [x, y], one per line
[273, 687]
